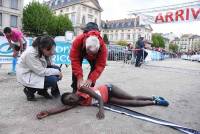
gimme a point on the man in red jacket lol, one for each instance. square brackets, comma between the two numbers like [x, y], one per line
[90, 46]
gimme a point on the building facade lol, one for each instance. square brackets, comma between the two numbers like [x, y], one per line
[11, 13]
[187, 42]
[126, 29]
[80, 12]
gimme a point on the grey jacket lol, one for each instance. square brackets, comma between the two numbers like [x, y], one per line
[31, 70]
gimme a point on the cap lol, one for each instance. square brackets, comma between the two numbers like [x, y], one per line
[90, 26]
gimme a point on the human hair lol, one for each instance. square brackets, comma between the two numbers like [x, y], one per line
[92, 42]
[7, 30]
[63, 98]
[43, 42]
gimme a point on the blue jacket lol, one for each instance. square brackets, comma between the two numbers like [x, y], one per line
[140, 44]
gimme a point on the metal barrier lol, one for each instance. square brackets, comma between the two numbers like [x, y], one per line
[128, 56]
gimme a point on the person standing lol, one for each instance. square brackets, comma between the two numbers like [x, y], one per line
[17, 42]
[90, 46]
[141, 54]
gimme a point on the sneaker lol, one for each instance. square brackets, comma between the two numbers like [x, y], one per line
[162, 102]
[45, 94]
[55, 92]
[158, 98]
[30, 96]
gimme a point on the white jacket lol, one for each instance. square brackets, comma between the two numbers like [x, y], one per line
[31, 70]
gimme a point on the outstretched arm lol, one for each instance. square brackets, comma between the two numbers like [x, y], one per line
[46, 113]
[87, 90]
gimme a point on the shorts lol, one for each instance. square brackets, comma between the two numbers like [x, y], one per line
[109, 87]
[16, 46]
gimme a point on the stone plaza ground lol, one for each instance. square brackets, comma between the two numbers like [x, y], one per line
[176, 80]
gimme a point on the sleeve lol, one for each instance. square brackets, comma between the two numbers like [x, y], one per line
[36, 66]
[75, 57]
[100, 62]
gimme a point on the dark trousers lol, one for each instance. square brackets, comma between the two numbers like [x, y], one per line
[74, 79]
[140, 57]
[49, 81]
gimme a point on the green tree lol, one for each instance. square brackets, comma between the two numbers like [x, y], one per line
[39, 19]
[58, 25]
[158, 40]
[122, 43]
[173, 48]
[105, 38]
[35, 18]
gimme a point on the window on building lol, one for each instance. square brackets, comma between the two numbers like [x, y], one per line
[73, 18]
[61, 11]
[67, 9]
[96, 13]
[111, 37]
[90, 18]
[128, 36]
[13, 21]
[116, 36]
[1, 3]
[95, 20]
[14, 4]
[59, 2]
[84, 9]
[73, 8]
[122, 36]
[83, 20]
[0, 19]
[90, 11]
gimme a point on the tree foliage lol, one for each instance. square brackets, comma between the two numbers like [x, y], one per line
[173, 48]
[122, 43]
[39, 19]
[58, 25]
[105, 38]
[158, 41]
[35, 18]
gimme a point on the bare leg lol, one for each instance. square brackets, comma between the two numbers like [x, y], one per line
[133, 103]
[119, 93]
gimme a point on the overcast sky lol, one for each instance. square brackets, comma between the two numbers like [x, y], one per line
[119, 9]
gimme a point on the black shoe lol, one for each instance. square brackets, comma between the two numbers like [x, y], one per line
[44, 93]
[138, 65]
[30, 96]
[55, 92]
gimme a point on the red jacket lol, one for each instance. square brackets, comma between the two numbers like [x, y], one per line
[77, 53]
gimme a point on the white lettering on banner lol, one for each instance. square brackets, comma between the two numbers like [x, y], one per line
[61, 49]
[188, 14]
[61, 59]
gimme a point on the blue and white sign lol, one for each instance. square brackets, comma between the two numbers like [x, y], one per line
[62, 53]
[5, 51]
[61, 57]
